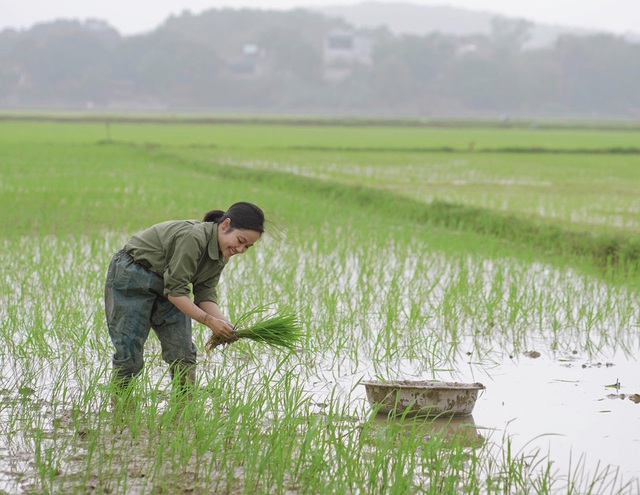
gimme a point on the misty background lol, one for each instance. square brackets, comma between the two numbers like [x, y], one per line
[382, 59]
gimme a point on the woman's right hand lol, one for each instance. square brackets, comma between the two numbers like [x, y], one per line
[219, 327]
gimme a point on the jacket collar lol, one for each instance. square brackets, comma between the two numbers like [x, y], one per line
[213, 249]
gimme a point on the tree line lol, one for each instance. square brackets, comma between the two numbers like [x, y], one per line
[259, 60]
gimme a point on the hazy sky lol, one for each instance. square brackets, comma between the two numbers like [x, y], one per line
[136, 16]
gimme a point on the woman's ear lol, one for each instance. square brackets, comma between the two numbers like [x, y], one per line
[226, 224]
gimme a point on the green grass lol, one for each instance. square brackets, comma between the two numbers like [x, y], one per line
[387, 280]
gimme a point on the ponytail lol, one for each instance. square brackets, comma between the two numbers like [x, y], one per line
[214, 216]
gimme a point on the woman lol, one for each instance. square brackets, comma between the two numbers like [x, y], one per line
[148, 286]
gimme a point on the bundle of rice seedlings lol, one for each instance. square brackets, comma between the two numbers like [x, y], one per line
[279, 330]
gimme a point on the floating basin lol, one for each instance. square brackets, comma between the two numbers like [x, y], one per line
[423, 398]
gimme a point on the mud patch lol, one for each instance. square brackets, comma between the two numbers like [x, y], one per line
[632, 397]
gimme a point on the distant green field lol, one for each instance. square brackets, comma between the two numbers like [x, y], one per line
[579, 184]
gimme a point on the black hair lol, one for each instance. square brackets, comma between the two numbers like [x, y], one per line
[243, 215]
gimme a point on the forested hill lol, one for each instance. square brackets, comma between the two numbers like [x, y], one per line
[304, 61]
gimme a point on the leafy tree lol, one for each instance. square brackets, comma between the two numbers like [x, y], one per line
[167, 66]
[599, 73]
[55, 68]
[288, 51]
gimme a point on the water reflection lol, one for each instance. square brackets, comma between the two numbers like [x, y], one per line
[458, 430]
[544, 396]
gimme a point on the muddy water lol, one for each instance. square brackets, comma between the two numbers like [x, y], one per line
[577, 413]
[571, 403]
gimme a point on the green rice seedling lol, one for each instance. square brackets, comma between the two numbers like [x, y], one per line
[281, 330]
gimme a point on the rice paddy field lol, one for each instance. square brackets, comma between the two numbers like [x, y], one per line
[470, 252]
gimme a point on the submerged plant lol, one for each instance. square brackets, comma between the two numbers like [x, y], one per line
[277, 330]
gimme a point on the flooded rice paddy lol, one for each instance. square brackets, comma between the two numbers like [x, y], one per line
[556, 350]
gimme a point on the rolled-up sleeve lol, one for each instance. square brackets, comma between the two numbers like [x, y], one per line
[182, 264]
[206, 291]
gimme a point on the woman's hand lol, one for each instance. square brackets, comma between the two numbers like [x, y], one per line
[219, 327]
[207, 313]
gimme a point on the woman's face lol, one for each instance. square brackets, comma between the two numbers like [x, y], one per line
[235, 241]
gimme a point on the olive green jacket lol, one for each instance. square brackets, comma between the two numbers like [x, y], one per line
[184, 253]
